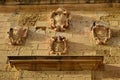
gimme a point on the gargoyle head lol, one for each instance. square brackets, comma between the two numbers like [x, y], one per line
[17, 36]
[60, 20]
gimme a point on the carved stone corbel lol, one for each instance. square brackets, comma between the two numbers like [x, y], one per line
[101, 34]
[60, 20]
[17, 36]
[58, 45]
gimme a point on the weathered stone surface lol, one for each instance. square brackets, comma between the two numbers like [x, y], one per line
[68, 78]
[25, 52]
[112, 67]
[43, 46]
[112, 60]
[28, 74]
[30, 46]
[78, 35]
[2, 66]
[5, 75]
[114, 23]
[32, 78]
[44, 52]
[115, 52]
[3, 47]
[39, 79]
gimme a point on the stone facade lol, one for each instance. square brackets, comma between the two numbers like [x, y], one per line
[79, 38]
[56, 1]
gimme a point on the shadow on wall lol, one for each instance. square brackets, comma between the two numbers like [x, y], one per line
[111, 71]
[79, 24]
[34, 36]
[79, 49]
[82, 25]
[115, 39]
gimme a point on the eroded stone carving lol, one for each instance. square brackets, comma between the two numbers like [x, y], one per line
[17, 36]
[60, 20]
[58, 45]
[101, 34]
[28, 19]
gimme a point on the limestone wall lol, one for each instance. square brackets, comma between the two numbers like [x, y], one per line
[79, 37]
[13, 2]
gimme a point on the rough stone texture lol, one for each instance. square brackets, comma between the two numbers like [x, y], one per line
[79, 40]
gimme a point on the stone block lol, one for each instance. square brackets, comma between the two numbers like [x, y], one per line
[42, 23]
[56, 74]
[79, 78]
[90, 53]
[98, 74]
[88, 78]
[3, 47]
[3, 31]
[3, 41]
[43, 46]
[32, 78]
[13, 48]
[39, 79]
[2, 66]
[3, 36]
[119, 22]
[107, 79]
[112, 67]
[67, 35]
[70, 1]
[68, 78]
[54, 78]
[50, 33]
[111, 75]
[8, 24]
[12, 53]
[15, 75]
[30, 46]
[114, 52]
[28, 74]
[113, 23]
[82, 1]
[41, 74]
[41, 32]
[6, 75]
[44, 52]
[4, 18]
[103, 52]
[3, 59]
[112, 60]
[25, 52]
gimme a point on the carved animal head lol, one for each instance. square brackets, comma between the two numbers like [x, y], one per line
[60, 19]
[17, 36]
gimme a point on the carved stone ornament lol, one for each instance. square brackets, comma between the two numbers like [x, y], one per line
[101, 34]
[58, 45]
[17, 36]
[60, 20]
